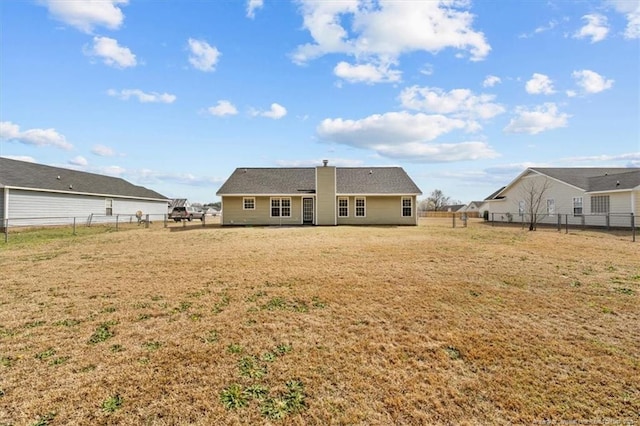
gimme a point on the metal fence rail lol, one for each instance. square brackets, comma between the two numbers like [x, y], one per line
[72, 223]
[608, 222]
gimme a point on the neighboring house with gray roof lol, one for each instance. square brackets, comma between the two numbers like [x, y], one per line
[597, 196]
[36, 194]
[323, 195]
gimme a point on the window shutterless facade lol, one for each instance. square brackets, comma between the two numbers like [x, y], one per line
[361, 207]
[551, 206]
[343, 207]
[281, 207]
[109, 207]
[248, 203]
[407, 206]
[600, 204]
[521, 208]
[577, 206]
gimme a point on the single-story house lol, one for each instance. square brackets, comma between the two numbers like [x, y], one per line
[36, 194]
[453, 208]
[594, 196]
[323, 195]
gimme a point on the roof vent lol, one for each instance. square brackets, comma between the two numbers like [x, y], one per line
[618, 183]
[70, 186]
[58, 177]
[370, 172]
[325, 162]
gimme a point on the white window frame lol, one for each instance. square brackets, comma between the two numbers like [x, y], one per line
[280, 206]
[363, 207]
[108, 206]
[521, 207]
[346, 207]
[551, 206]
[403, 207]
[577, 205]
[251, 200]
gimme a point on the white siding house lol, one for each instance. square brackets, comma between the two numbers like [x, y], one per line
[35, 194]
[587, 196]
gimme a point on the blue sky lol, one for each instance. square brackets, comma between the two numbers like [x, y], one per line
[175, 94]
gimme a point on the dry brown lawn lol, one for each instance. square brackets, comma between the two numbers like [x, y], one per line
[314, 325]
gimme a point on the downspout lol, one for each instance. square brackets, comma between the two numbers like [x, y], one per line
[5, 213]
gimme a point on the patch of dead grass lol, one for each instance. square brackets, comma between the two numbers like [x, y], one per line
[384, 325]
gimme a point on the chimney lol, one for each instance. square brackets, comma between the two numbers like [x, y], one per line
[325, 162]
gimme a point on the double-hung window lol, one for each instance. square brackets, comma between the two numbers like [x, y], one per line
[109, 207]
[281, 207]
[551, 206]
[577, 206]
[343, 207]
[407, 206]
[361, 206]
[248, 203]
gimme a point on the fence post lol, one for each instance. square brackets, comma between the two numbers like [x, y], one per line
[74, 225]
[453, 216]
[117, 217]
[492, 219]
[559, 222]
[6, 230]
[204, 219]
[607, 220]
[633, 227]
[566, 223]
[146, 221]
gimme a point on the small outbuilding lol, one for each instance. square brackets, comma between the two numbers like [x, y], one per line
[323, 195]
[36, 194]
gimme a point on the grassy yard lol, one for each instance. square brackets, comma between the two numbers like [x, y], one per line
[314, 325]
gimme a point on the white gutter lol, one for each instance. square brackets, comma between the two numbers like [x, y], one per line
[85, 193]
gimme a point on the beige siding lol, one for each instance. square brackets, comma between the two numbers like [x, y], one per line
[380, 210]
[233, 212]
[326, 195]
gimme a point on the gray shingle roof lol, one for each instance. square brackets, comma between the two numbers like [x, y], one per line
[590, 178]
[349, 180]
[22, 174]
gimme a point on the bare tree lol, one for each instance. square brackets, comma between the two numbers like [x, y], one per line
[437, 200]
[533, 196]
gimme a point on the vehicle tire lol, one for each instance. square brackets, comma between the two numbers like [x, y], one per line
[190, 218]
[176, 220]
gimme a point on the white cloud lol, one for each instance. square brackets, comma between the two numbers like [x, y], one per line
[382, 31]
[36, 137]
[631, 10]
[252, 5]
[153, 97]
[111, 53]
[539, 84]
[223, 108]
[79, 161]
[276, 112]
[26, 158]
[388, 128]
[103, 151]
[203, 56]
[460, 103]
[542, 118]
[367, 73]
[405, 136]
[491, 80]
[87, 14]
[596, 28]
[590, 82]
[439, 153]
